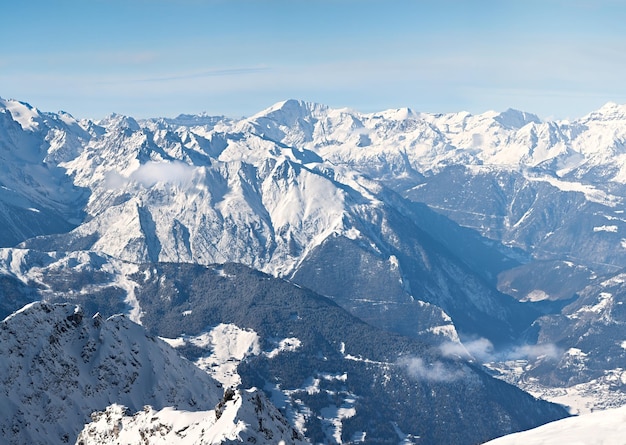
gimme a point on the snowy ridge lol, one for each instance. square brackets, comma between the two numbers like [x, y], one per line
[36, 197]
[262, 191]
[243, 416]
[75, 365]
[291, 176]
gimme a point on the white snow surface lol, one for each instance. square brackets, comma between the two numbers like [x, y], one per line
[22, 113]
[285, 345]
[602, 428]
[228, 345]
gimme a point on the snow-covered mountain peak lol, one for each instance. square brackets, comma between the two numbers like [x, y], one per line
[290, 109]
[43, 315]
[30, 134]
[610, 111]
[320, 196]
[26, 115]
[58, 366]
[515, 119]
[397, 114]
[119, 121]
[241, 416]
[291, 122]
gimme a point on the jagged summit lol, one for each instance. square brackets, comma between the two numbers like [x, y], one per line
[291, 109]
[281, 190]
[26, 115]
[121, 121]
[445, 226]
[242, 417]
[398, 114]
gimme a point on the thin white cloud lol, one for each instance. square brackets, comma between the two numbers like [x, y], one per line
[533, 352]
[150, 173]
[436, 371]
[113, 180]
[483, 350]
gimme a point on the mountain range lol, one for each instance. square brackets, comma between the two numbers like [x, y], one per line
[459, 239]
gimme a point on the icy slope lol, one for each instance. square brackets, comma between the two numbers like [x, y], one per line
[270, 189]
[407, 219]
[256, 170]
[531, 184]
[604, 427]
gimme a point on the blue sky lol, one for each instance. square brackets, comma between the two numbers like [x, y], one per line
[556, 58]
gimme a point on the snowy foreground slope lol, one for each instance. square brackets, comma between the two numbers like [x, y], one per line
[603, 427]
[58, 366]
